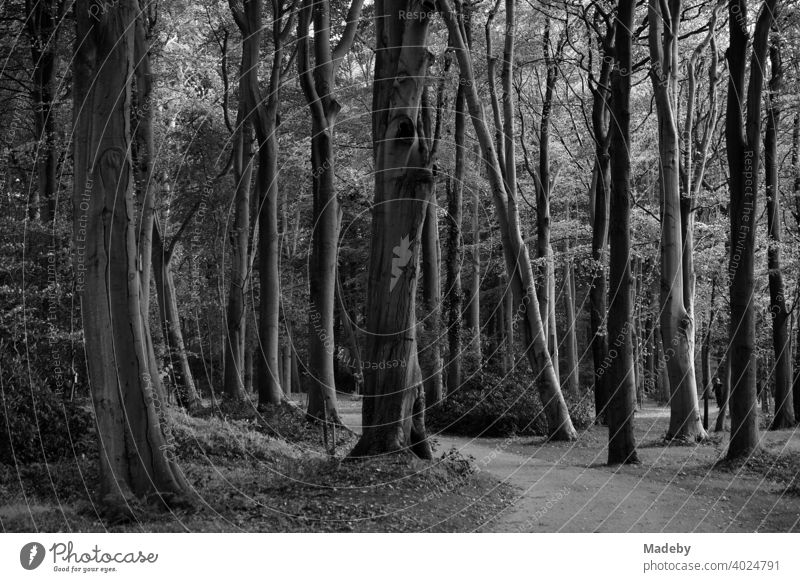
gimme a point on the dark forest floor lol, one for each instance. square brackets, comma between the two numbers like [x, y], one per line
[264, 476]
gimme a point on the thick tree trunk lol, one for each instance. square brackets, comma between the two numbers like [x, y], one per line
[136, 456]
[622, 397]
[784, 402]
[677, 323]
[455, 250]
[743, 141]
[394, 405]
[518, 265]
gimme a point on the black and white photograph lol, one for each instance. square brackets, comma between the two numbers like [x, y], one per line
[317, 267]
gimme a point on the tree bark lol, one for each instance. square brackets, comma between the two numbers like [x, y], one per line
[136, 456]
[317, 83]
[544, 250]
[599, 202]
[677, 323]
[455, 249]
[430, 357]
[170, 322]
[784, 402]
[394, 404]
[44, 23]
[570, 336]
[742, 139]
[622, 397]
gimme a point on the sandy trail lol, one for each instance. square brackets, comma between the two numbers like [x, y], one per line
[567, 486]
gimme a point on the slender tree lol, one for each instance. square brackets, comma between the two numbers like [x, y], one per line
[677, 319]
[318, 83]
[784, 402]
[743, 141]
[621, 382]
[518, 264]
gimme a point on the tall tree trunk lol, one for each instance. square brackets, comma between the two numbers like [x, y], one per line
[393, 412]
[317, 84]
[44, 23]
[263, 114]
[599, 202]
[136, 457]
[784, 403]
[677, 323]
[455, 250]
[544, 251]
[430, 358]
[705, 352]
[170, 322]
[725, 366]
[236, 323]
[743, 141]
[622, 397]
[796, 190]
[570, 336]
[474, 304]
[518, 265]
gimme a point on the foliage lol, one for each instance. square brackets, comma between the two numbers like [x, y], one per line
[491, 405]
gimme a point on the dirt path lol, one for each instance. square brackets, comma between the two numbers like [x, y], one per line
[567, 486]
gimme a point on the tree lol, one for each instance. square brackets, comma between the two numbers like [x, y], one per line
[677, 318]
[517, 259]
[44, 24]
[621, 384]
[394, 399]
[136, 457]
[784, 403]
[318, 85]
[743, 141]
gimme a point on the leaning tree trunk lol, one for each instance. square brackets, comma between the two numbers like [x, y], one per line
[136, 456]
[394, 404]
[518, 264]
[677, 324]
[743, 145]
[622, 396]
[170, 322]
[784, 403]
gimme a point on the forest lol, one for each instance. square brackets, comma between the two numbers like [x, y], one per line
[399, 265]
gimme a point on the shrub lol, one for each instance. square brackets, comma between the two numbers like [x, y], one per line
[36, 425]
[491, 405]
